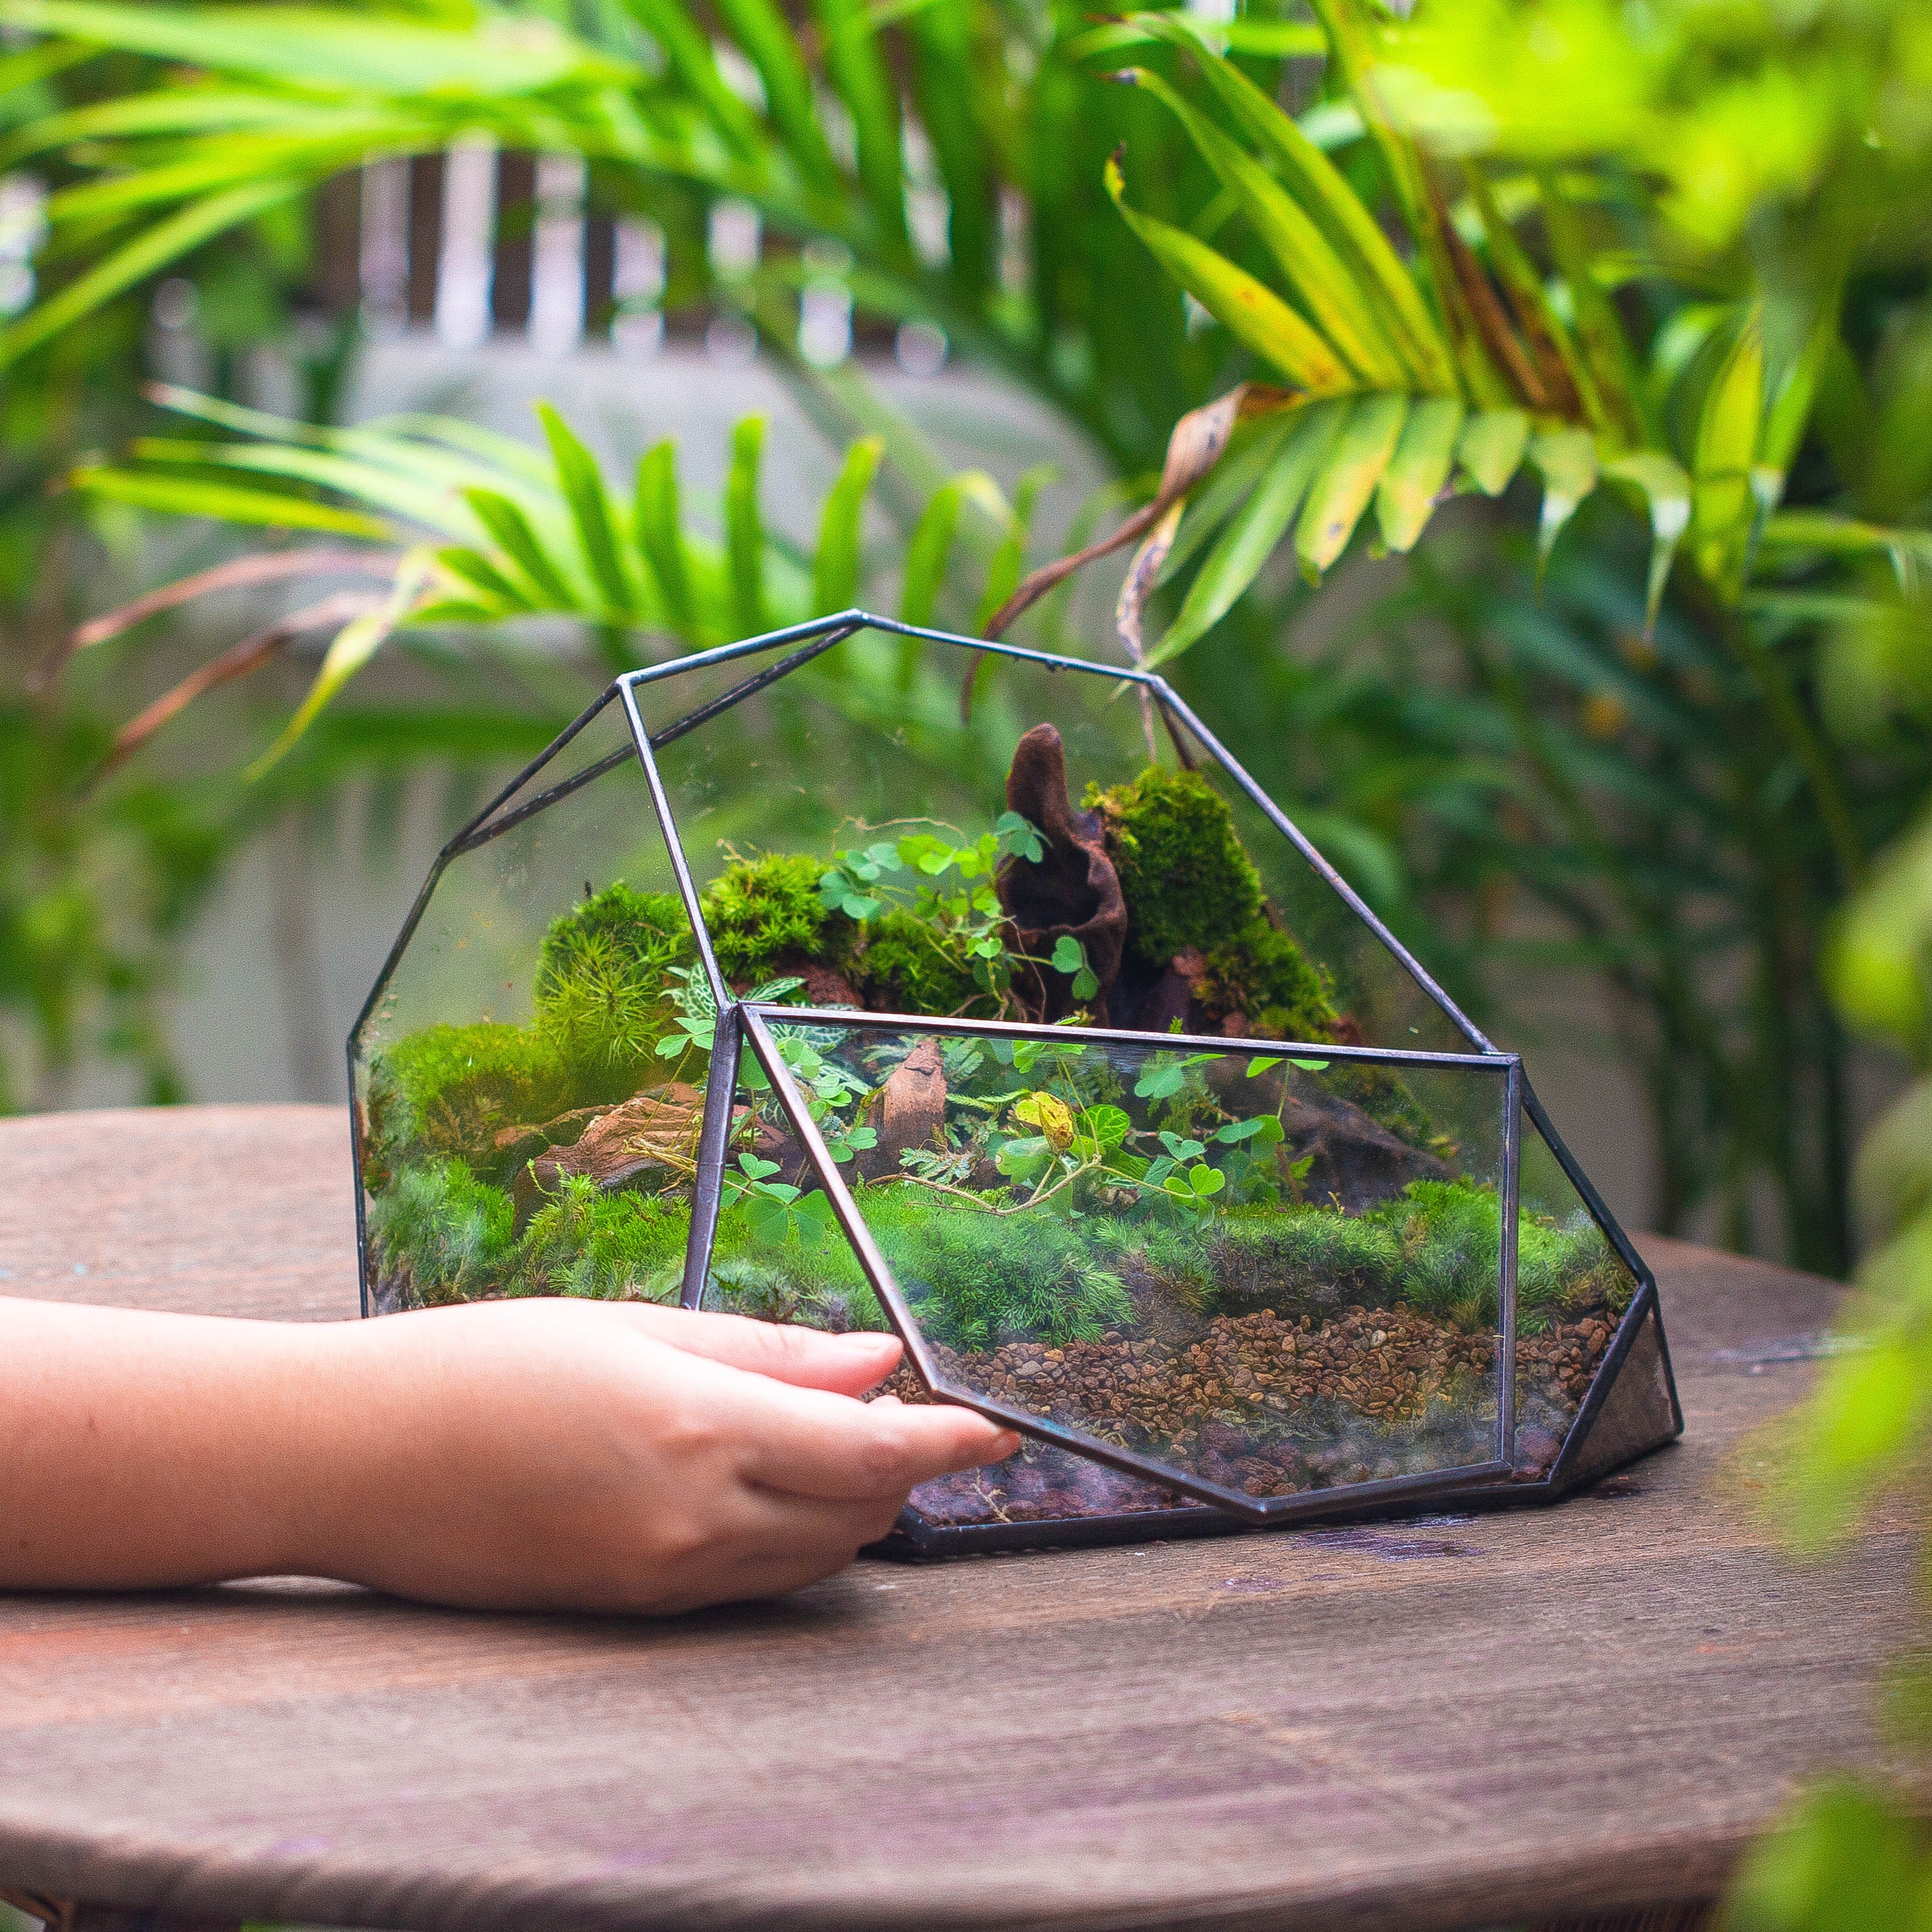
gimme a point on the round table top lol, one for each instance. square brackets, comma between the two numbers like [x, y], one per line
[1440, 1723]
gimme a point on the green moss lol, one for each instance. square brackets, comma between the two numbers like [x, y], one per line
[907, 967]
[447, 1231]
[1286, 1259]
[608, 1247]
[976, 1278]
[1185, 877]
[1264, 975]
[449, 1090]
[603, 981]
[761, 911]
[1566, 1269]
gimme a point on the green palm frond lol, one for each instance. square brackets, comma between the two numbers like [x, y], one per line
[1407, 377]
[482, 531]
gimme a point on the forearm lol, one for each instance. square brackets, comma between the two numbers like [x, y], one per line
[139, 1450]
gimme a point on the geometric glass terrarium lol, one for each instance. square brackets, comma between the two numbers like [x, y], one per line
[865, 976]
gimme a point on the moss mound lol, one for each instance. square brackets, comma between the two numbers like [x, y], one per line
[1265, 976]
[1186, 879]
[452, 1235]
[448, 1230]
[607, 1247]
[602, 985]
[907, 967]
[450, 1088]
[760, 912]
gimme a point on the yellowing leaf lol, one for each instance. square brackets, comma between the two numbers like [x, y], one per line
[1051, 1115]
[1418, 471]
[1347, 480]
[1332, 295]
[1248, 309]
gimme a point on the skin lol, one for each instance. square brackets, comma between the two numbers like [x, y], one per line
[537, 1454]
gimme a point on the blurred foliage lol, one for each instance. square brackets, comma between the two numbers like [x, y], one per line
[1846, 1861]
[1415, 269]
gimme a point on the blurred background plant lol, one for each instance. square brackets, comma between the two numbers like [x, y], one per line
[1652, 750]
[1587, 348]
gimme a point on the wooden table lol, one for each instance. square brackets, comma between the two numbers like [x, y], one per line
[1477, 1721]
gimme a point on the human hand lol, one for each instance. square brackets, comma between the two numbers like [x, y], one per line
[522, 1454]
[620, 1456]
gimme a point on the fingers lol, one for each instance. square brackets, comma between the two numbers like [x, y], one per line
[805, 1443]
[805, 1357]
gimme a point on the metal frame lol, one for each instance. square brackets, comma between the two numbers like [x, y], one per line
[1482, 1484]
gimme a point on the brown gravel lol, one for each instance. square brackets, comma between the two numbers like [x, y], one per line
[1257, 1402]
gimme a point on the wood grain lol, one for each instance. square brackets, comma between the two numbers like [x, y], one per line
[1435, 1724]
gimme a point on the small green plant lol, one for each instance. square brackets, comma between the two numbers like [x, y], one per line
[774, 1213]
[1186, 879]
[942, 889]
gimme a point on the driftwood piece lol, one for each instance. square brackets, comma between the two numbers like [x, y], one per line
[1071, 890]
[657, 1129]
[910, 1108]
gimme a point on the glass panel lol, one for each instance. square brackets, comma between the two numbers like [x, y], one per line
[1372, 998]
[1219, 1262]
[529, 1075]
[1167, 889]
[1636, 1414]
[1572, 1289]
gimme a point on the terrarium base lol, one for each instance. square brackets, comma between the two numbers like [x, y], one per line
[1628, 1408]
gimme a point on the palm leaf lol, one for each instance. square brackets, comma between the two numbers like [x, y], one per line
[1248, 309]
[1334, 300]
[1345, 484]
[1252, 534]
[1318, 183]
[1660, 479]
[744, 529]
[1418, 471]
[835, 582]
[590, 509]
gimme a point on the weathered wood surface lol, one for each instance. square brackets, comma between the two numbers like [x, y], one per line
[1444, 1723]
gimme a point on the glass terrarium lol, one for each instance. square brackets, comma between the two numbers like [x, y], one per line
[863, 976]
